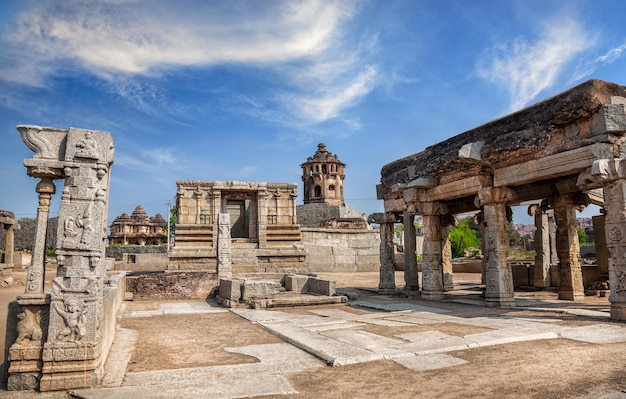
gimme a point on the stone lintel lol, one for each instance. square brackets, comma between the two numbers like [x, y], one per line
[558, 165]
[456, 189]
[395, 205]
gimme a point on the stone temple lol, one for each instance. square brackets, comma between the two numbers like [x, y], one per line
[557, 156]
[138, 229]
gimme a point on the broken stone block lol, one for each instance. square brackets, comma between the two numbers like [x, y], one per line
[322, 286]
[258, 289]
[230, 289]
[297, 283]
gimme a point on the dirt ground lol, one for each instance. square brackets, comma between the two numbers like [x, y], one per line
[557, 368]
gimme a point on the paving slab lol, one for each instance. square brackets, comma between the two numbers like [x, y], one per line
[509, 335]
[414, 319]
[362, 339]
[392, 307]
[397, 321]
[424, 342]
[276, 354]
[429, 362]
[596, 333]
[119, 356]
[333, 352]
[337, 325]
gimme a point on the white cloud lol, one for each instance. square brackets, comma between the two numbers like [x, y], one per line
[140, 37]
[607, 58]
[160, 156]
[525, 68]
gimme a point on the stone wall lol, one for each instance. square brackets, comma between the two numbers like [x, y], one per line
[311, 215]
[117, 253]
[331, 250]
[172, 285]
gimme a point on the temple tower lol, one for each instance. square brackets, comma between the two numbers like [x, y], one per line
[323, 176]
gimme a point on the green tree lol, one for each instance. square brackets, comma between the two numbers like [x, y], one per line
[582, 236]
[463, 237]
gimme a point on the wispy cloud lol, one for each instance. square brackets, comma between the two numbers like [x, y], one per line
[525, 68]
[118, 40]
[607, 58]
[141, 37]
[159, 156]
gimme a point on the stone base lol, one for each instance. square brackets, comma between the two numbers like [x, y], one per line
[500, 302]
[23, 382]
[432, 295]
[571, 296]
[386, 291]
[618, 310]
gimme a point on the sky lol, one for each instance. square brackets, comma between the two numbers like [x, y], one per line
[245, 90]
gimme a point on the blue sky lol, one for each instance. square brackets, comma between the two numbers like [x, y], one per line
[245, 90]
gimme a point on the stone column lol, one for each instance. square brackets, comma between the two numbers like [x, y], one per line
[615, 226]
[37, 270]
[432, 256]
[224, 265]
[554, 258]
[498, 275]
[602, 252]
[387, 280]
[10, 246]
[446, 258]
[410, 257]
[479, 219]
[262, 205]
[541, 278]
[570, 274]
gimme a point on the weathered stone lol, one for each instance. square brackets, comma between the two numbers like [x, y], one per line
[322, 286]
[230, 289]
[297, 283]
[258, 289]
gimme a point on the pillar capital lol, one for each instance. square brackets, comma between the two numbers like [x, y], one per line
[491, 195]
[431, 208]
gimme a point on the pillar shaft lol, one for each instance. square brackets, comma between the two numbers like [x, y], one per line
[541, 278]
[432, 256]
[10, 245]
[554, 258]
[615, 228]
[498, 275]
[36, 272]
[568, 251]
[446, 259]
[410, 257]
[387, 283]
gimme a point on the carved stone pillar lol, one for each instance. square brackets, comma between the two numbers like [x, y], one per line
[570, 274]
[432, 256]
[446, 255]
[541, 278]
[479, 219]
[602, 251]
[615, 226]
[9, 245]
[71, 316]
[224, 265]
[262, 206]
[554, 258]
[387, 281]
[498, 275]
[410, 257]
[37, 270]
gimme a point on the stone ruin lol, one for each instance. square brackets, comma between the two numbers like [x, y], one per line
[59, 339]
[8, 222]
[559, 155]
[138, 229]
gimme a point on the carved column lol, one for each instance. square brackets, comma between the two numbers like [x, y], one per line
[568, 251]
[615, 227]
[541, 278]
[387, 281]
[432, 256]
[410, 257]
[262, 206]
[554, 258]
[9, 245]
[37, 270]
[498, 275]
[446, 258]
[479, 219]
[224, 265]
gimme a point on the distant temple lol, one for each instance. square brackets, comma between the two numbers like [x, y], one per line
[138, 229]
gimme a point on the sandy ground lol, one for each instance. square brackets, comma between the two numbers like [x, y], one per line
[555, 368]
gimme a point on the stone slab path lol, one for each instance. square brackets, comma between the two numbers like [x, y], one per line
[333, 336]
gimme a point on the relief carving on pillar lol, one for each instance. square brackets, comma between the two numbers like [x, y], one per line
[74, 313]
[490, 195]
[28, 328]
